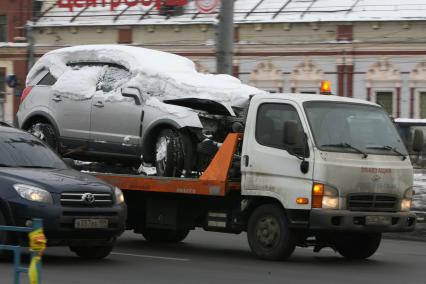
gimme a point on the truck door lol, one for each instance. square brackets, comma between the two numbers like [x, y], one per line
[270, 167]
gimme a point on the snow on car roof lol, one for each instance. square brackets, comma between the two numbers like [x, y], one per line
[158, 74]
[246, 11]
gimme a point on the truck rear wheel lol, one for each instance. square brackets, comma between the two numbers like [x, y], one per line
[358, 246]
[268, 234]
[164, 235]
[92, 252]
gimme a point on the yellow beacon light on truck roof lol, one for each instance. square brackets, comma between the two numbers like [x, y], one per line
[325, 88]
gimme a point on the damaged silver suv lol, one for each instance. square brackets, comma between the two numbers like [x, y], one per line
[119, 104]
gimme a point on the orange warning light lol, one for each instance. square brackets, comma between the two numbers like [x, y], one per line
[325, 88]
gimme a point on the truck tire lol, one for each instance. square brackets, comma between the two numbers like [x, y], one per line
[268, 234]
[46, 133]
[92, 252]
[358, 246]
[168, 153]
[164, 235]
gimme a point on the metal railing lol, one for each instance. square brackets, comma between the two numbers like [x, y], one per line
[37, 224]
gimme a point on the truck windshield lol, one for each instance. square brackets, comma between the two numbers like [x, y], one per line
[24, 150]
[360, 128]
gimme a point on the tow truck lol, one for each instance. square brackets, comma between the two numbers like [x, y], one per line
[306, 170]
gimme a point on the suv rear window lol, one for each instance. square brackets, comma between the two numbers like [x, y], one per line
[47, 80]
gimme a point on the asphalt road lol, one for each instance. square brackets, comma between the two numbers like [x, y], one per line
[221, 258]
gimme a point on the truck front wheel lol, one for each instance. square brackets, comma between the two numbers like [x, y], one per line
[358, 246]
[268, 234]
[92, 252]
[164, 235]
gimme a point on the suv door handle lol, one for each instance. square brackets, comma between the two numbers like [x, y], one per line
[57, 98]
[99, 104]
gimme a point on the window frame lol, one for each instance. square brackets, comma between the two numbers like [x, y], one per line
[289, 150]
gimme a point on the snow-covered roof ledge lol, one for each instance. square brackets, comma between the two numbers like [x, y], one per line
[246, 11]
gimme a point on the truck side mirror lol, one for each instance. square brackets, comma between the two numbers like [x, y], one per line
[291, 131]
[131, 92]
[418, 140]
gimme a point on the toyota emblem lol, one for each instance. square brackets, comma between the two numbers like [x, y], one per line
[88, 198]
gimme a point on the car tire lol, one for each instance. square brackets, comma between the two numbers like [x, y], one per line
[268, 233]
[5, 255]
[46, 133]
[358, 246]
[165, 235]
[169, 156]
[92, 252]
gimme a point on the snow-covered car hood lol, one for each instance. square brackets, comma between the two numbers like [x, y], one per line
[157, 74]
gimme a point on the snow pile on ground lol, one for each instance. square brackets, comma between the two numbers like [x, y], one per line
[157, 74]
[419, 199]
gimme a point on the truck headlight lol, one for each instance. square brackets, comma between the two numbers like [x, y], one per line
[406, 200]
[325, 196]
[33, 193]
[119, 197]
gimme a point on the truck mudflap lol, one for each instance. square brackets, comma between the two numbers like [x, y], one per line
[344, 220]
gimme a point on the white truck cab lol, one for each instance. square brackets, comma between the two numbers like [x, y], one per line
[333, 164]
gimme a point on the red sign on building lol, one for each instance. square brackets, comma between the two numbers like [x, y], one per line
[71, 4]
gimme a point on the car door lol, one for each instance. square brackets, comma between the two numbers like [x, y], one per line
[270, 167]
[115, 127]
[70, 103]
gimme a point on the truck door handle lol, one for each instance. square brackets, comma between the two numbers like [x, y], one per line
[57, 98]
[99, 104]
[246, 160]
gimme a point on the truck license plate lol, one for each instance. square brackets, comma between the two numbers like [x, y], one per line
[91, 223]
[378, 220]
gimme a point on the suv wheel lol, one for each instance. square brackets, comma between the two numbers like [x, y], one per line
[92, 252]
[46, 133]
[169, 153]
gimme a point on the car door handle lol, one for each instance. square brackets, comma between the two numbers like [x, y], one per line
[99, 104]
[57, 98]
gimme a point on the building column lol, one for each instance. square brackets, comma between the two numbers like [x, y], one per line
[411, 102]
[349, 80]
[398, 101]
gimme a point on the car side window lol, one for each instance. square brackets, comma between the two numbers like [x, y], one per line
[270, 123]
[47, 80]
[112, 78]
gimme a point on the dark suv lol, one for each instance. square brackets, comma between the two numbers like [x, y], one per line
[78, 210]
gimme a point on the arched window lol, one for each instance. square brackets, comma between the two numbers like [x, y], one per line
[267, 77]
[418, 91]
[306, 78]
[383, 81]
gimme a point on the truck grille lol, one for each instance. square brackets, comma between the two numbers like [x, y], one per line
[372, 202]
[86, 199]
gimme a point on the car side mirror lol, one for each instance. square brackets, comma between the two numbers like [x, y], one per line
[131, 92]
[418, 140]
[69, 162]
[291, 131]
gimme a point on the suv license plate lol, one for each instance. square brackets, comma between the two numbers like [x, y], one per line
[91, 223]
[378, 220]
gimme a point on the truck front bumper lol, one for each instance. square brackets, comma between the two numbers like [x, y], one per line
[345, 220]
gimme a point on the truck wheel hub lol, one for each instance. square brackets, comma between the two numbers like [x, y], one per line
[268, 232]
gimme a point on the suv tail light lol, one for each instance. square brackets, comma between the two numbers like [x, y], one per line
[25, 93]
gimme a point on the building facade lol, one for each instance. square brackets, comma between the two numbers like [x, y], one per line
[14, 15]
[368, 49]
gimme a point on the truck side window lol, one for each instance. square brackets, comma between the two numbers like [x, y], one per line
[271, 118]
